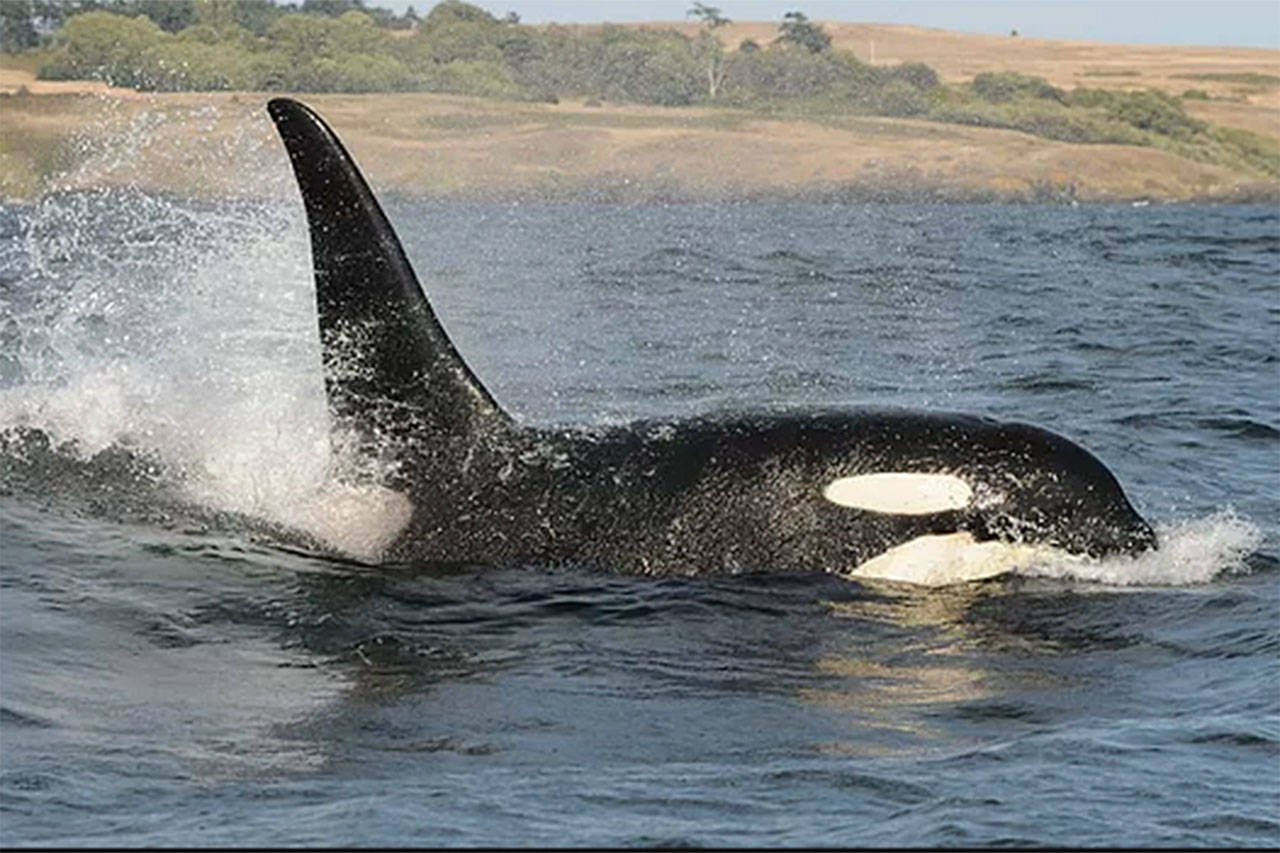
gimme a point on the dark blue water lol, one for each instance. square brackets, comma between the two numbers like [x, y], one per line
[173, 672]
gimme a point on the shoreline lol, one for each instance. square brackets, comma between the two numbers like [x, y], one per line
[222, 145]
[631, 193]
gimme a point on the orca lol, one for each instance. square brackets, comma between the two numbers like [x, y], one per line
[917, 496]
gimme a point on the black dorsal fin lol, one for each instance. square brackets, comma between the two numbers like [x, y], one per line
[390, 369]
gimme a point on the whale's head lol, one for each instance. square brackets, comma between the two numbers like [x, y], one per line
[954, 489]
[1034, 486]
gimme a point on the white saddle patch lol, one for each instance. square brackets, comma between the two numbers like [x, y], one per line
[900, 492]
[947, 559]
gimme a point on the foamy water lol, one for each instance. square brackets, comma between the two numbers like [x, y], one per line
[1190, 552]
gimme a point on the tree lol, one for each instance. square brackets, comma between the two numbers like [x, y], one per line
[407, 21]
[455, 40]
[454, 11]
[331, 8]
[709, 15]
[17, 26]
[769, 76]
[796, 29]
[218, 14]
[256, 16]
[307, 37]
[708, 48]
[103, 46]
[169, 15]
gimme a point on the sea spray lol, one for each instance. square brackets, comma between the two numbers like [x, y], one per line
[190, 337]
[1192, 551]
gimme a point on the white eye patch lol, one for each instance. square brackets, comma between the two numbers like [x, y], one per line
[900, 492]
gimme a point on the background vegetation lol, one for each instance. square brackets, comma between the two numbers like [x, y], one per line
[346, 46]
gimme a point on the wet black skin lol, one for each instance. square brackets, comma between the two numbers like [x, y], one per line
[746, 493]
[741, 492]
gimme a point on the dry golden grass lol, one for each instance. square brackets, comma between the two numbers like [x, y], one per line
[218, 144]
[1247, 116]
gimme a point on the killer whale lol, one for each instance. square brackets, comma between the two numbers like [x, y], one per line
[926, 497]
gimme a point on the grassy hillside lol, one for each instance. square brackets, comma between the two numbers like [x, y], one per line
[74, 134]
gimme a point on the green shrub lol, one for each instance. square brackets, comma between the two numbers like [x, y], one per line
[1053, 121]
[229, 34]
[916, 74]
[202, 33]
[765, 75]
[520, 46]
[901, 99]
[455, 11]
[256, 16]
[176, 66]
[270, 71]
[103, 46]
[484, 79]
[1158, 112]
[365, 72]
[655, 68]
[453, 41]
[169, 15]
[1000, 86]
[1047, 119]
[309, 37]
[1252, 150]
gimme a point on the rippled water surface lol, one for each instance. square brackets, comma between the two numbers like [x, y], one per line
[179, 664]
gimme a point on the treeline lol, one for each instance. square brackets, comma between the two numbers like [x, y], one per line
[27, 24]
[343, 46]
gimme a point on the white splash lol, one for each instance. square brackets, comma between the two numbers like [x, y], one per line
[187, 330]
[1190, 552]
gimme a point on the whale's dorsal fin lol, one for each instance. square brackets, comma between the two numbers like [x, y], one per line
[388, 364]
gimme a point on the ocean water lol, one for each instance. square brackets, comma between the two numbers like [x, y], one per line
[186, 659]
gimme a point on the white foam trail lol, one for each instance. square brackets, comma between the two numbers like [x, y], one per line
[1190, 552]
